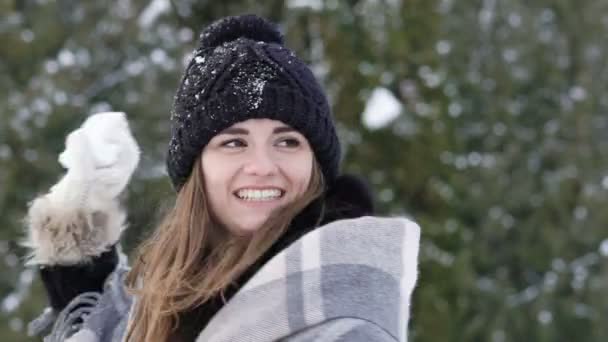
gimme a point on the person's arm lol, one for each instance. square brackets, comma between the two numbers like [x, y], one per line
[63, 283]
[74, 229]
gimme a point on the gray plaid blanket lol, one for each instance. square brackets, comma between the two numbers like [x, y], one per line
[350, 280]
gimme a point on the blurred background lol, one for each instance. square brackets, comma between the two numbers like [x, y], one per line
[483, 120]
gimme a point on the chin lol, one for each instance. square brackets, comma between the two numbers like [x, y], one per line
[247, 229]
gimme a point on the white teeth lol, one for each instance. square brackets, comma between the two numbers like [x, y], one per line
[259, 195]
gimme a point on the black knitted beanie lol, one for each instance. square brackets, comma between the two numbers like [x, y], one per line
[241, 71]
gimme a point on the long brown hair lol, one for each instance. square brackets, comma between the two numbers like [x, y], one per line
[190, 258]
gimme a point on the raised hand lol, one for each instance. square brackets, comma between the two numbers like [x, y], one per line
[81, 216]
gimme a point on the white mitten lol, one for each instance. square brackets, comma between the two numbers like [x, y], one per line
[81, 217]
[115, 154]
[74, 187]
[100, 157]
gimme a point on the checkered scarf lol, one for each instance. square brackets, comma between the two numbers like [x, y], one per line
[350, 280]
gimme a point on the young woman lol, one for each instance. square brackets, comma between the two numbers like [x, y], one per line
[266, 241]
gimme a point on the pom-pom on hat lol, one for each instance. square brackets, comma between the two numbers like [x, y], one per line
[241, 71]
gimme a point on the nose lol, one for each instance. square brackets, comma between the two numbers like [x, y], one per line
[260, 162]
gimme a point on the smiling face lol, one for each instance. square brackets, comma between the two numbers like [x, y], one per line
[252, 168]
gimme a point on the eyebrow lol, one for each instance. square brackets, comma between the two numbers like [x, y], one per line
[243, 131]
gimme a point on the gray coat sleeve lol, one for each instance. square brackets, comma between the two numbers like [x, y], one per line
[342, 330]
[95, 317]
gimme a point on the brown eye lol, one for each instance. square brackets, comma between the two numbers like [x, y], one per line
[289, 142]
[233, 143]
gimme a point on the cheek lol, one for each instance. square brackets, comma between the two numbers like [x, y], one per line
[300, 174]
[213, 197]
[215, 176]
[217, 170]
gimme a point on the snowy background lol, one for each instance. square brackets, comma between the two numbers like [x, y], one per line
[486, 121]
